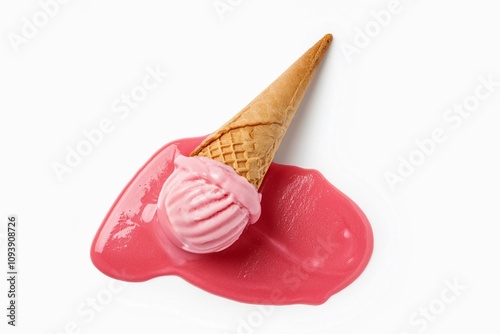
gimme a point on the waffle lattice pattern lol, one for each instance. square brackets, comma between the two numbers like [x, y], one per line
[249, 150]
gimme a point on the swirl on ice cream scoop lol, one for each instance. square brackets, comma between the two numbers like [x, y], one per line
[204, 206]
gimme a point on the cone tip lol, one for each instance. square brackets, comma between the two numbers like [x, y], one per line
[326, 40]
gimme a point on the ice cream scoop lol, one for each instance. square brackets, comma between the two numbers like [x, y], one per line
[196, 212]
[205, 205]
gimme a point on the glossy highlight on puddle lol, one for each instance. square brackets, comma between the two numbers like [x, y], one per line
[310, 242]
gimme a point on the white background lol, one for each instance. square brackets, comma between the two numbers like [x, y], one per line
[362, 113]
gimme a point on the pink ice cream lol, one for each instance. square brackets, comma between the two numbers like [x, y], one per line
[204, 206]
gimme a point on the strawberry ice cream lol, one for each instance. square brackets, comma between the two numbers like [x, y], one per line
[204, 206]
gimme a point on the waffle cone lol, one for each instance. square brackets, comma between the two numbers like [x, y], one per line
[249, 141]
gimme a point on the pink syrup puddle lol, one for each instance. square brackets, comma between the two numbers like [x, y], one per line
[310, 242]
